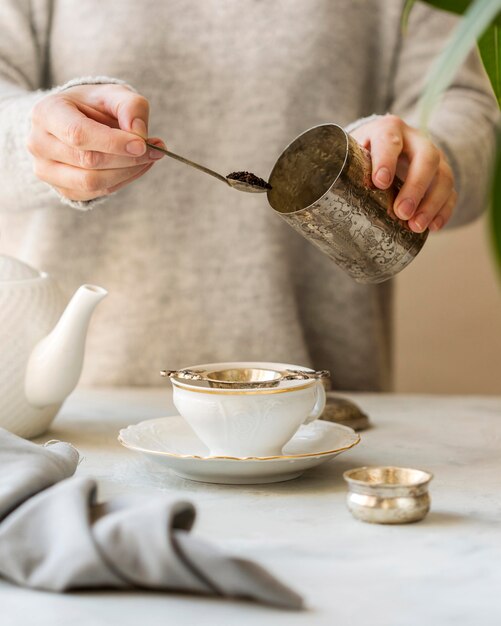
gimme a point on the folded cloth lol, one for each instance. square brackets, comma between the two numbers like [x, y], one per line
[54, 535]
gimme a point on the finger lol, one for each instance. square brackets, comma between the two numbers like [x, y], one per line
[97, 115]
[46, 146]
[424, 160]
[445, 213]
[130, 109]
[130, 180]
[156, 154]
[79, 196]
[78, 179]
[66, 122]
[83, 196]
[437, 195]
[362, 136]
[386, 144]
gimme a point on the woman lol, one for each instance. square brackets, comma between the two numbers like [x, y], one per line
[196, 271]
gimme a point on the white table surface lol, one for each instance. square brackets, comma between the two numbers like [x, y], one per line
[444, 570]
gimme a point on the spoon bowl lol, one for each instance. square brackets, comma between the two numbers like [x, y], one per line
[239, 185]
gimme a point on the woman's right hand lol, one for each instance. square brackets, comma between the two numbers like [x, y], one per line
[89, 141]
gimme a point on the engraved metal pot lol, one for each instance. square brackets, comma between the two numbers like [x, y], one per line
[388, 495]
[322, 187]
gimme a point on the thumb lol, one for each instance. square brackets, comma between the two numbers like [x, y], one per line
[129, 108]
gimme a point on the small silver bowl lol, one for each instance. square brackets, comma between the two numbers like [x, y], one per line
[388, 495]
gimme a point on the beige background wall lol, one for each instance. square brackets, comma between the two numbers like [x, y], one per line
[448, 316]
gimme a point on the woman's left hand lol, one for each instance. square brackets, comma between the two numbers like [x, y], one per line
[427, 197]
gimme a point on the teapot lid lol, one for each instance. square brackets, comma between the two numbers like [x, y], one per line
[13, 269]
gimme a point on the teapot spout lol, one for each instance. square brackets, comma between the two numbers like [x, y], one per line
[56, 361]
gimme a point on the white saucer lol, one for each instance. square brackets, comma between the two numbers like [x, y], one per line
[171, 442]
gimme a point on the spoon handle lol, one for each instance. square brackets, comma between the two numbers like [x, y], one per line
[197, 166]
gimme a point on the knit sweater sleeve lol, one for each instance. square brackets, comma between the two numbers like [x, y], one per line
[464, 123]
[24, 27]
[21, 76]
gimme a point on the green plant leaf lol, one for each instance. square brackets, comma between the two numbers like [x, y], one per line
[495, 206]
[404, 22]
[490, 49]
[452, 6]
[474, 23]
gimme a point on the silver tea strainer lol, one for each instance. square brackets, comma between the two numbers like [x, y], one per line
[242, 377]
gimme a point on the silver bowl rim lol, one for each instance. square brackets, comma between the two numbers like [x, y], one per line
[426, 477]
[335, 179]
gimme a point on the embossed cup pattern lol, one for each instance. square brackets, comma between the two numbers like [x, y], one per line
[257, 424]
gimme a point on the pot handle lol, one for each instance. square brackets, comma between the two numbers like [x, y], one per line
[319, 407]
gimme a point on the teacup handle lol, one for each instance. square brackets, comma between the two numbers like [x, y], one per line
[319, 407]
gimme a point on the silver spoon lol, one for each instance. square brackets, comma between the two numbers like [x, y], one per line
[236, 184]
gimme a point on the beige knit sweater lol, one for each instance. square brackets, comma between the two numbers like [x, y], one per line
[197, 272]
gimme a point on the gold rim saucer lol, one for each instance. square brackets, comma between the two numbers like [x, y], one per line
[242, 458]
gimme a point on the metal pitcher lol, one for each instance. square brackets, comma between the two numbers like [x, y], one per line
[322, 187]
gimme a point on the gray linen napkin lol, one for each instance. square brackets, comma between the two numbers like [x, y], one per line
[55, 536]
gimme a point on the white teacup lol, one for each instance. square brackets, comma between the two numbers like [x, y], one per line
[238, 419]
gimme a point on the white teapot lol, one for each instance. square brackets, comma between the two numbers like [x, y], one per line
[41, 351]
